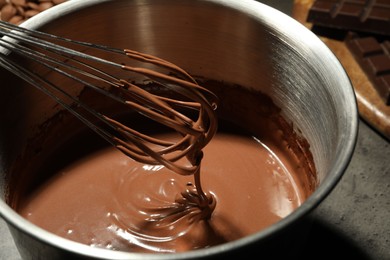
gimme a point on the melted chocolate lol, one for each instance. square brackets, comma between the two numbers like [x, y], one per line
[108, 200]
[258, 173]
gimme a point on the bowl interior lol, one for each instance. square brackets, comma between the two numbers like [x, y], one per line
[240, 42]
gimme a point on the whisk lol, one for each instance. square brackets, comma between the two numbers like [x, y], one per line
[64, 56]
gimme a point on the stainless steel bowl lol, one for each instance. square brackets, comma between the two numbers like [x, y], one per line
[241, 42]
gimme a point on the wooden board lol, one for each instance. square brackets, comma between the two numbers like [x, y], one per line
[371, 107]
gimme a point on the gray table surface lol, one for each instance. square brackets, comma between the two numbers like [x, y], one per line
[354, 219]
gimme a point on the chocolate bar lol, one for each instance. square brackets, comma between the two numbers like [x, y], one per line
[374, 58]
[372, 16]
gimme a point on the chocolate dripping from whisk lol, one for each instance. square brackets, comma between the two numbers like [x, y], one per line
[206, 124]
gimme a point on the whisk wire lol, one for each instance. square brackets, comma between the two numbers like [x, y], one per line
[61, 56]
[37, 82]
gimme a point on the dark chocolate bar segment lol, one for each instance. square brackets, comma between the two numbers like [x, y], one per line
[371, 16]
[374, 58]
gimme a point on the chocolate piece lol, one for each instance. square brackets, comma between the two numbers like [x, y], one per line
[353, 15]
[374, 58]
